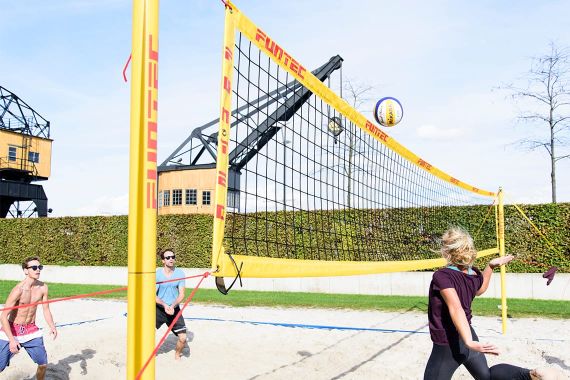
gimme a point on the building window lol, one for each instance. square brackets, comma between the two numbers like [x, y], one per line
[206, 197]
[166, 198]
[12, 153]
[176, 197]
[233, 199]
[34, 157]
[159, 199]
[191, 196]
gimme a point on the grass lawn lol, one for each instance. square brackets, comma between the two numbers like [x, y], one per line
[481, 306]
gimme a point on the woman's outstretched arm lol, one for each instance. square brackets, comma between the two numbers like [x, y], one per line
[488, 271]
[462, 325]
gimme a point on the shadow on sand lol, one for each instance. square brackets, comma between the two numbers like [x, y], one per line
[62, 369]
[170, 344]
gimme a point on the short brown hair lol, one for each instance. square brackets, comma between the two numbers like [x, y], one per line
[163, 251]
[31, 258]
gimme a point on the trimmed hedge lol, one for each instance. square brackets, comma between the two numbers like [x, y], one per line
[103, 240]
[534, 254]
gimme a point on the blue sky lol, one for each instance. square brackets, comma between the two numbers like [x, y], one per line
[442, 59]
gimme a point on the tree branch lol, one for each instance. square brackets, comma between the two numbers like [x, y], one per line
[524, 94]
[530, 117]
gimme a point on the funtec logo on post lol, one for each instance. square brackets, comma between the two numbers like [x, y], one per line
[151, 123]
[280, 55]
[224, 134]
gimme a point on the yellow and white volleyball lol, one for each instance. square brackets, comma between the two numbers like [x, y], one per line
[388, 111]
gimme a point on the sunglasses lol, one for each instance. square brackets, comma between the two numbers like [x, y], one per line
[36, 267]
[170, 257]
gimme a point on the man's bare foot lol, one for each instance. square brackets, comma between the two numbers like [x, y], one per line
[179, 347]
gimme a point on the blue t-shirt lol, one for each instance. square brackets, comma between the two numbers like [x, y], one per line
[168, 292]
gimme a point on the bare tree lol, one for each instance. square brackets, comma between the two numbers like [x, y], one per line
[356, 96]
[548, 86]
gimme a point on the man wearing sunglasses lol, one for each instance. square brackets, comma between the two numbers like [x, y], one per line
[19, 325]
[169, 294]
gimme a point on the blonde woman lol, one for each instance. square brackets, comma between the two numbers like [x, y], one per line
[451, 293]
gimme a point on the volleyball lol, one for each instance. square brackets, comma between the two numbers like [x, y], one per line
[388, 111]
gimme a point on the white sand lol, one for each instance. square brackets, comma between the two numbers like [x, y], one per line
[233, 350]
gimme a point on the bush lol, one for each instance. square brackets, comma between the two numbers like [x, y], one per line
[103, 240]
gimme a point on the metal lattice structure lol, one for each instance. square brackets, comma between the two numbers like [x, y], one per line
[17, 116]
[291, 96]
[19, 122]
[198, 151]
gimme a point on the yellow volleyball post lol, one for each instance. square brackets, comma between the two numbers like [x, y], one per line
[223, 151]
[501, 222]
[142, 189]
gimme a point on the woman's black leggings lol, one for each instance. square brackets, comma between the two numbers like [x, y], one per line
[444, 360]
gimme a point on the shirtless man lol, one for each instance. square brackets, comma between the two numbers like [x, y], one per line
[18, 325]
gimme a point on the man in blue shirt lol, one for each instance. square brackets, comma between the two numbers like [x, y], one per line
[168, 298]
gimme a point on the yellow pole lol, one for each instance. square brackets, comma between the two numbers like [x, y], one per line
[142, 189]
[222, 160]
[501, 222]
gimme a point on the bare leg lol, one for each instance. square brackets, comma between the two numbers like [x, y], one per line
[180, 346]
[546, 373]
[41, 372]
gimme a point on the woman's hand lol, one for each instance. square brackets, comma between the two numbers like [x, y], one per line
[485, 348]
[497, 262]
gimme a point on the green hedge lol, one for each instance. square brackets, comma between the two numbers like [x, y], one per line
[534, 254]
[103, 240]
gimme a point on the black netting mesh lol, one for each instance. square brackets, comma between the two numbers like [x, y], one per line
[298, 191]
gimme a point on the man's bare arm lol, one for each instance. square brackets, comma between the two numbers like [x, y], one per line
[47, 313]
[181, 294]
[160, 302]
[12, 300]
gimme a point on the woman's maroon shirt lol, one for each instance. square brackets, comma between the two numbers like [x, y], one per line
[441, 327]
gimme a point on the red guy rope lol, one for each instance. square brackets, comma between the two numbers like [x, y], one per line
[125, 68]
[88, 294]
[206, 274]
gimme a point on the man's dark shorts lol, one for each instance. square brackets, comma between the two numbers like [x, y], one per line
[163, 318]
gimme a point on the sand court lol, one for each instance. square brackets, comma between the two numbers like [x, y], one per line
[279, 343]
